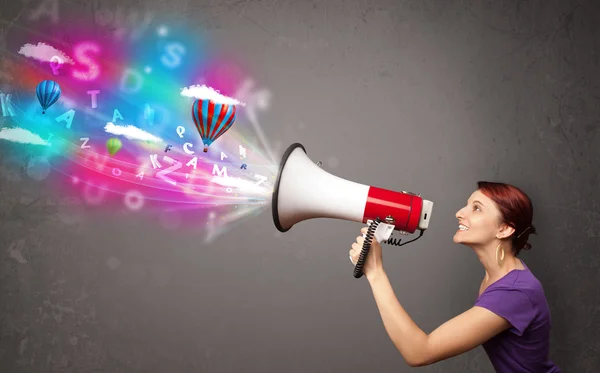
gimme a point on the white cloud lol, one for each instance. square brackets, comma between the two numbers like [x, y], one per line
[44, 52]
[22, 136]
[131, 132]
[207, 93]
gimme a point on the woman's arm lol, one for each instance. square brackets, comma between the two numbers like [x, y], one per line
[456, 336]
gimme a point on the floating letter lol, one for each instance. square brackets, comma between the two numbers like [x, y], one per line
[193, 161]
[219, 172]
[138, 81]
[134, 200]
[174, 50]
[94, 99]
[67, 117]
[55, 63]
[80, 52]
[154, 161]
[262, 179]
[162, 174]
[185, 148]
[85, 141]
[116, 114]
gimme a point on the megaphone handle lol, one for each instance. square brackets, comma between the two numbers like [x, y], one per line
[358, 269]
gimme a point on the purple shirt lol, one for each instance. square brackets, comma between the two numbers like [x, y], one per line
[523, 348]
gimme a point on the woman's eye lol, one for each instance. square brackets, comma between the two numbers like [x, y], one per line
[476, 208]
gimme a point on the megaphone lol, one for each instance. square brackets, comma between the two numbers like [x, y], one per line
[303, 191]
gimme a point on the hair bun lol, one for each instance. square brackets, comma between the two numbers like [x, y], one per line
[527, 246]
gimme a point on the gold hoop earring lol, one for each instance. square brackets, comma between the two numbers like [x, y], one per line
[500, 260]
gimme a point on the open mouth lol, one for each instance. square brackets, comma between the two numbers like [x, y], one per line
[463, 228]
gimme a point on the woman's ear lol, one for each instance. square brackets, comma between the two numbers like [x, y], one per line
[505, 231]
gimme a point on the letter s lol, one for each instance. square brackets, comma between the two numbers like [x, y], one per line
[81, 54]
[174, 51]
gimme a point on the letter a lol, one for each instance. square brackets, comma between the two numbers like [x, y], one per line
[193, 162]
[67, 117]
[117, 114]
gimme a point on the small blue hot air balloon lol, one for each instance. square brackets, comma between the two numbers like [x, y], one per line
[48, 93]
[212, 119]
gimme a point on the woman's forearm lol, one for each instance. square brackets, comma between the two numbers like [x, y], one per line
[408, 338]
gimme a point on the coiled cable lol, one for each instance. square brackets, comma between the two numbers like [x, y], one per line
[358, 269]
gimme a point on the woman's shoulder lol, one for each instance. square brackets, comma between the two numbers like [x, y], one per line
[524, 281]
[518, 297]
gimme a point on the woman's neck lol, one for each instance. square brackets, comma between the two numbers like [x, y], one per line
[495, 269]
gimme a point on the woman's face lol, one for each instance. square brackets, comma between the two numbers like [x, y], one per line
[478, 221]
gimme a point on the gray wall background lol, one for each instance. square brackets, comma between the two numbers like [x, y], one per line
[425, 96]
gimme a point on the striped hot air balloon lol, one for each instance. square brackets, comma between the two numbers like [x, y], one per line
[113, 145]
[212, 119]
[48, 92]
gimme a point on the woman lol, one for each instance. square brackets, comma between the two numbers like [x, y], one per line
[510, 318]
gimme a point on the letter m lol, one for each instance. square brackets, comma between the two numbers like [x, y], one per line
[219, 172]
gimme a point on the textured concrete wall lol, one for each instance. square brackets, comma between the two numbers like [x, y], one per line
[425, 96]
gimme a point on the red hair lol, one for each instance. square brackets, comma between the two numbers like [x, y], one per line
[516, 210]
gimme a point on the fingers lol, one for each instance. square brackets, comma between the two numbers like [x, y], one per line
[357, 246]
[354, 253]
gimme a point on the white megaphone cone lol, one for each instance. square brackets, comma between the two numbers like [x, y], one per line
[305, 191]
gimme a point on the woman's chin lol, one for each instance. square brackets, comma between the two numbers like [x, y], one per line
[459, 240]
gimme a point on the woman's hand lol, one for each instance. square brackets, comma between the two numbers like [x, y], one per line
[374, 263]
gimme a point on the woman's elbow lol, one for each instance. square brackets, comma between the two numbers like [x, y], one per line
[416, 363]
[420, 361]
[413, 362]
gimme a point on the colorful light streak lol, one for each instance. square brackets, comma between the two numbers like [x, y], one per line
[138, 81]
